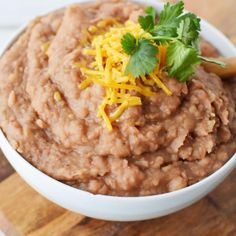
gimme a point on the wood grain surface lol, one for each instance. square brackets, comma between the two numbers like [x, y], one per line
[24, 212]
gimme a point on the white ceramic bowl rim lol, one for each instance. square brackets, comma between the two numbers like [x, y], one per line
[229, 163]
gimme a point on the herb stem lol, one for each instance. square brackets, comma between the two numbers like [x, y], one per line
[162, 37]
[212, 60]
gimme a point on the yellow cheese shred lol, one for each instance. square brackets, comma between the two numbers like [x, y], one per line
[45, 47]
[108, 70]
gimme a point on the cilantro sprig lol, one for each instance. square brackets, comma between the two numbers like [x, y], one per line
[148, 22]
[179, 31]
[129, 43]
[143, 60]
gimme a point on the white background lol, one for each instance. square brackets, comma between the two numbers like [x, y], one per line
[14, 13]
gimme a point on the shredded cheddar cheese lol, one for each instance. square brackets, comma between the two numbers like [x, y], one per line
[108, 71]
[57, 96]
[45, 47]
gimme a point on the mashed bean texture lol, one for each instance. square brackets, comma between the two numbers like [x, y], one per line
[166, 144]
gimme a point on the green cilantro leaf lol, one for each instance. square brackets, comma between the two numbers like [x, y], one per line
[144, 59]
[146, 23]
[169, 20]
[179, 31]
[129, 43]
[189, 28]
[151, 12]
[171, 12]
[181, 61]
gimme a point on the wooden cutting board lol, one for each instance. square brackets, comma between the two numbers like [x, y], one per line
[24, 212]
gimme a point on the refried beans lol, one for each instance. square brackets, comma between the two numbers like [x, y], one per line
[167, 143]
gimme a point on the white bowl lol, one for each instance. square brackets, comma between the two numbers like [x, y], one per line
[122, 208]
